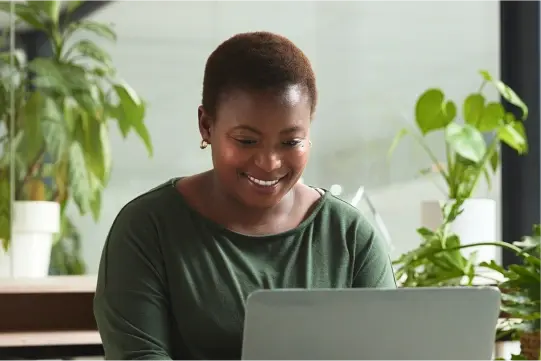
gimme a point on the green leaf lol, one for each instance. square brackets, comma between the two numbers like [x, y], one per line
[55, 132]
[466, 141]
[25, 14]
[94, 140]
[79, 178]
[492, 117]
[100, 29]
[494, 161]
[59, 77]
[432, 112]
[131, 108]
[95, 205]
[71, 6]
[473, 109]
[514, 135]
[5, 210]
[506, 92]
[90, 50]
[51, 9]
[32, 116]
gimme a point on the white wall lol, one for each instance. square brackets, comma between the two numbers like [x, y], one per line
[372, 60]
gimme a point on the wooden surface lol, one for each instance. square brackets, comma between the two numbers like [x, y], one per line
[52, 311]
[51, 338]
[53, 284]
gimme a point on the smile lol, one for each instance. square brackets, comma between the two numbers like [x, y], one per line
[263, 183]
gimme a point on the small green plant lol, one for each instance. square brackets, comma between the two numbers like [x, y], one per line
[521, 290]
[437, 261]
[468, 155]
[57, 111]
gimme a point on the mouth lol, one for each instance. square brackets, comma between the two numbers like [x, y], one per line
[261, 182]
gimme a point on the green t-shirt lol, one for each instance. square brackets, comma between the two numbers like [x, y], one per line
[172, 284]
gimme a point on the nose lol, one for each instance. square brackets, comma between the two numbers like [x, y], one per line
[268, 160]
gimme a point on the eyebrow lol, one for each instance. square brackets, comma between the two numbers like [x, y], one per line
[252, 129]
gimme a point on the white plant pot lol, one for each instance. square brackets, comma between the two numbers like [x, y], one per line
[34, 226]
[476, 223]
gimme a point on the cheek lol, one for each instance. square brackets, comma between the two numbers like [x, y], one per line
[296, 158]
[229, 154]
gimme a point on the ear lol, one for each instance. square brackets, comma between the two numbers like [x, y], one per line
[205, 123]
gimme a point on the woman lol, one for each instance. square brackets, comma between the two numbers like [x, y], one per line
[181, 259]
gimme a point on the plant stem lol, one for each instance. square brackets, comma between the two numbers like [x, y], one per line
[508, 246]
[491, 149]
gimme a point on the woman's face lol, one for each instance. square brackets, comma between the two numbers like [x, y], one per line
[260, 143]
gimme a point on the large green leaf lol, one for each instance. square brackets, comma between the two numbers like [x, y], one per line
[473, 108]
[47, 9]
[466, 141]
[492, 117]
[132, 109]
[433, 112]
[94, 140]
[514, 135]
[32, 117]
[58, 77]
[79, 178]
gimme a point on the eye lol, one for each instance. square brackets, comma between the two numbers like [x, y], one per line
[246, 141]
[292, 143]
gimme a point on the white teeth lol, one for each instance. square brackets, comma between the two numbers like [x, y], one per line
[262, 182]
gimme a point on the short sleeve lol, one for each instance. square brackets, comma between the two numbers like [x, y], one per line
[373, 266]
[131, 305]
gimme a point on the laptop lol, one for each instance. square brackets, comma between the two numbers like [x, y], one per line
[455, 323]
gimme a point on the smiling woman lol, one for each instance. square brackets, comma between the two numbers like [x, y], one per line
[181, 259]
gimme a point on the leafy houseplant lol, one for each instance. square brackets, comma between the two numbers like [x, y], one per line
[439, 262]
[58, 129]
[521, 294]
[468, 156]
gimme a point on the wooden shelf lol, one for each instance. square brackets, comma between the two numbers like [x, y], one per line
[51, 284]
[49, 338]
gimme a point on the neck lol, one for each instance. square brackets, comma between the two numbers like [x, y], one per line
[238, 213]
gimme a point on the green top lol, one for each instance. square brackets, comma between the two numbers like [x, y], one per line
[172, 284]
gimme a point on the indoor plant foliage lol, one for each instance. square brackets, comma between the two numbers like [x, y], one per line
[63, 105]
[472, 138]
[521, 293]
[439, 262]
[468, 156]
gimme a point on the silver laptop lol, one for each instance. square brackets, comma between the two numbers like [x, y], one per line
[371, 324]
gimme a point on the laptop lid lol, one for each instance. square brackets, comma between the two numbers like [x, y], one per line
[377, 324]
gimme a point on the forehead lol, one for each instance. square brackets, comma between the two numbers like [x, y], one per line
[265, 110]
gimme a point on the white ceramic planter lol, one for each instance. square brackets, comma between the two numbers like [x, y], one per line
[477, 223]
[34, 226]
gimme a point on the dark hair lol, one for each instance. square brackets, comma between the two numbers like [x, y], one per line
[256, 61]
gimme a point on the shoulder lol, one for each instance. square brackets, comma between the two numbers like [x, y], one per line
[337, 210]
[351, 224]
[147, 208]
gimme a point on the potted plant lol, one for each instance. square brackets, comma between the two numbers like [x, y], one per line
[439, 262]
[469, 156]
[521, 295]
[57, 111]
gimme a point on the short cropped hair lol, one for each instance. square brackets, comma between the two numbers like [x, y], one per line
[256, 61]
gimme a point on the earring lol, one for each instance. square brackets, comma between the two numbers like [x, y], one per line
[310, 143]
[203, 144]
